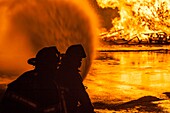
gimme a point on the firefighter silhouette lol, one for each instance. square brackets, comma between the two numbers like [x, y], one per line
[54, 86]
[77, 99]
[35, 91]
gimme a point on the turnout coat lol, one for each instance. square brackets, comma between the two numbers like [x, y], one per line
[30, 93]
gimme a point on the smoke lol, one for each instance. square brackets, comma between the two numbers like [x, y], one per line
[29, 25]
[106, 14]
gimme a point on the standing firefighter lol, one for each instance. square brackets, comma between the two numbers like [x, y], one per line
[35, 91]
[77, 99]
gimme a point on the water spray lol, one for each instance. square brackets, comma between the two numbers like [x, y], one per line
[29, 25]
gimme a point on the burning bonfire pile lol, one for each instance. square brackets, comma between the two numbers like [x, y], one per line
[139, 21]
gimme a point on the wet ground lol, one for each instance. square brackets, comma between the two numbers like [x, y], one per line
[130, 82]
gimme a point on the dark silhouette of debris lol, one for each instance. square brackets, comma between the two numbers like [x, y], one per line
[143, 104]
[167, 94]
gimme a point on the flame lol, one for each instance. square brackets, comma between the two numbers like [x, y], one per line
[139, 16]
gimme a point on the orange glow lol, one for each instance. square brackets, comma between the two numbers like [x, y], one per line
[124, 76]
[29, 25]
[139, 16]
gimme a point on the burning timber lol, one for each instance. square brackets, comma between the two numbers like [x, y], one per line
[155, 38]
[141, 50]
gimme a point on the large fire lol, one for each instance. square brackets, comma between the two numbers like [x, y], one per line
[138, 17]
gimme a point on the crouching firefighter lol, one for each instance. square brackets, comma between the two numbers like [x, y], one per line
[35, 91]
[76, 98]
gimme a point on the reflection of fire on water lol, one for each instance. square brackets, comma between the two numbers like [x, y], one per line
[139, 20]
